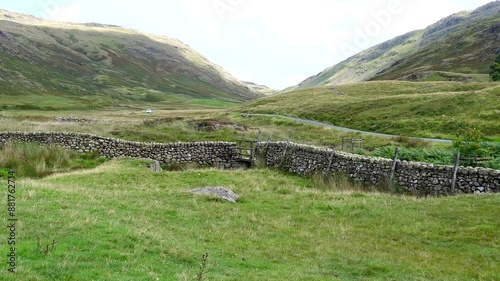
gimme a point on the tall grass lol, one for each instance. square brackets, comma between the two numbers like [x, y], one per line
[36, 161]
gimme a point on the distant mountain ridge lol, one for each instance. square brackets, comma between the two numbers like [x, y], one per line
[39, 56]
[459, 47]
[260, 88]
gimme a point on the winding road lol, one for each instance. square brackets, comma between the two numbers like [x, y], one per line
[340, 128]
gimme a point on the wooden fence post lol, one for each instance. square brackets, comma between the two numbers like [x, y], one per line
[257, 150]
[286, 148]
[267, 145]
[330, 162]
[455, 171]
[394, 162]
[284, 152]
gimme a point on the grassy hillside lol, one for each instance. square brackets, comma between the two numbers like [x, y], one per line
[458, 48]
[468, 48]
[123, 222]
[400, 108]
[366, 64]
[95, 64]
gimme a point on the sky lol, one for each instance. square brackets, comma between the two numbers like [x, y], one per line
[277, 43]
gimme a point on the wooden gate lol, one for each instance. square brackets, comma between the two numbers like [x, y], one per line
[246, 150]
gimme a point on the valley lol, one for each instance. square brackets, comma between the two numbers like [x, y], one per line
[318, 202]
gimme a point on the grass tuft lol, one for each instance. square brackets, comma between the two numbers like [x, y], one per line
[36, 161]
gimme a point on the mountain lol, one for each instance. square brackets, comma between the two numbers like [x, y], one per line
[39, 57]
[260, 88]
[460, 47]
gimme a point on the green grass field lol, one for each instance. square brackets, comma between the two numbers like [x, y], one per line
[393, 107]
[123, 222]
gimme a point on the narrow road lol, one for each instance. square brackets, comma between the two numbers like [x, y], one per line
[342, 128]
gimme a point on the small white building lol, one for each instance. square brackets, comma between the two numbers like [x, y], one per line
[149, 111]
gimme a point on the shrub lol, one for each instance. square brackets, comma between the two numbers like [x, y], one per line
[428, 155]
[153, 98]
[495, 70]
[468, 139]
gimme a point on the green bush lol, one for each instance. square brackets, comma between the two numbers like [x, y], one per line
[153, 98]
[493, 164]
[495, 70]
[428, 155]
[437, 155]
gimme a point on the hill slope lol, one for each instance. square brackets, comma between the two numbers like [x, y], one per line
[460, 47]
[392, 107]
[38, 56]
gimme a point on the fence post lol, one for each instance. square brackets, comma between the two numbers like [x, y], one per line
[256, 151]
[394, 162]
[240, 144]
[330, 162]
[284, 152]
[286, 148]
[455, 171]
[252, 151]
[267, 145]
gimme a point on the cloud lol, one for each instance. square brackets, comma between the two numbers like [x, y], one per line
[302, 23]
[66, 11]
[243, 74]
[204, 13]
[296, 79]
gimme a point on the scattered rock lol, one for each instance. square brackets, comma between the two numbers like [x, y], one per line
[494, 29]
[5, 35]
[158, 121]
[219, 192]
[80, 120]
[155, 166]
[212, 125]
[25, 81]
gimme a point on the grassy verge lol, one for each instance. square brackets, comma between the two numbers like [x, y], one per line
[124, 222]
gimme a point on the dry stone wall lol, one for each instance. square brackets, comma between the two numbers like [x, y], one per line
[203, 153]
[300, 159]
[410, 176]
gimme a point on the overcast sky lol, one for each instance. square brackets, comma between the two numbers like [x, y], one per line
[277, 43]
